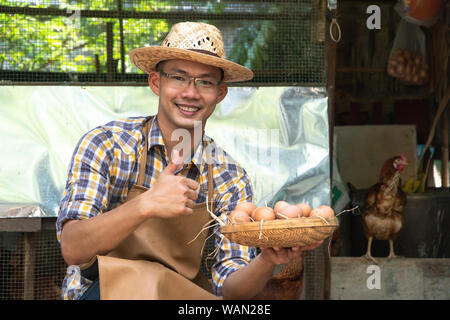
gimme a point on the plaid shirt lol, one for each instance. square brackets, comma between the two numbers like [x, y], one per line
[104, 166]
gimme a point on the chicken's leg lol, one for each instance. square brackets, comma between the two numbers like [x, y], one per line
[368, 255]
[391, 250]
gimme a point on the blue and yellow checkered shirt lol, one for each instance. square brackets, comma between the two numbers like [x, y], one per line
[104, 166]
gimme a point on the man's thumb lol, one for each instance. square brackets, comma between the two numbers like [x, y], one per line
[175, 163]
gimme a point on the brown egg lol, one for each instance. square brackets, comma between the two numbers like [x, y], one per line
[280, 205]
[305, 208]
[238, 216]
[323, 211]
[263, 213]
[248, 207]
[289, 212]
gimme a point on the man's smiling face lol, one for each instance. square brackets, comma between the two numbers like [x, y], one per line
[180, 105]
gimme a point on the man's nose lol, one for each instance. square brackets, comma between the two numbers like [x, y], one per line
[191, 91]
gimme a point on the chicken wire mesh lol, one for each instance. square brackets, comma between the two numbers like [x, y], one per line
[73, 42]
[87, 42]
[315, 267]
[31, 266]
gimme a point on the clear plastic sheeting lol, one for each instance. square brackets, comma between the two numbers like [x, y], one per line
[21, 211]
[278, 134]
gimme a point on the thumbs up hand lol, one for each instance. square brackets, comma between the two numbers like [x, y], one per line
[171, 195]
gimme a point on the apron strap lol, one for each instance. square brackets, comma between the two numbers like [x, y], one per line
[211, 186]
[143, 163]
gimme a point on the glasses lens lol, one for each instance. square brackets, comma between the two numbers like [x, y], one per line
[203, 83]
[178, 80]
[181, 81]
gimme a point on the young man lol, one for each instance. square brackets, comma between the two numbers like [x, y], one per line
[148, 231]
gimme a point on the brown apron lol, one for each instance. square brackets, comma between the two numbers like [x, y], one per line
[156, 261]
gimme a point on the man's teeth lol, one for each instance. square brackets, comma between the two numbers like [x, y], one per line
[188, 109]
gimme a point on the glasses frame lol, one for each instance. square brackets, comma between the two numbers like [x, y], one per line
[190, 78]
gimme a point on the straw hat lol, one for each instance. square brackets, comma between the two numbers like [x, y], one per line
[194, 41]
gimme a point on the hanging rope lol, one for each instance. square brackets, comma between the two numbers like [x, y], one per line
[334, 25]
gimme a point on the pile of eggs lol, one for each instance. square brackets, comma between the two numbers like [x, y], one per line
[248, 212]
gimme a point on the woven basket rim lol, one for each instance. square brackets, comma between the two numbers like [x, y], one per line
[304, 222]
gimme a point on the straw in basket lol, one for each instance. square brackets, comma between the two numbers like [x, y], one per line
[281, 232]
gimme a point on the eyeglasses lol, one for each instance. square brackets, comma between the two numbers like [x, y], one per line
[183, 81]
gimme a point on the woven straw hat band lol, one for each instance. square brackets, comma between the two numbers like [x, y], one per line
[195, 36]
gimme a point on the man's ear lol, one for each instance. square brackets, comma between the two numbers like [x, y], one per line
[223, 90]
[153, 81]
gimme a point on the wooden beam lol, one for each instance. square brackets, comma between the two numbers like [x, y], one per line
[48, 223]
[28, 266]
[359, 69]
[172, 15]
[20, 224]
[30, 224]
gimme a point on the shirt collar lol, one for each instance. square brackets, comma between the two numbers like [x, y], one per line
[155, 135]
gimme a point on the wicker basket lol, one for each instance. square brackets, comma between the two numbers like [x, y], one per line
[280, 232]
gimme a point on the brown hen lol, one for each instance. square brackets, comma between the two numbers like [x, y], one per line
[385, 202]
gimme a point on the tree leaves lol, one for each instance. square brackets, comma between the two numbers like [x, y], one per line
[70, 43]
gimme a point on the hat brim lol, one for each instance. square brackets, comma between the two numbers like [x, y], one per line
[147, 58]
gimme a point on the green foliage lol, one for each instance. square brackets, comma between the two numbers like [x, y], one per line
[279, 46]
[70, 43]
[253, 40]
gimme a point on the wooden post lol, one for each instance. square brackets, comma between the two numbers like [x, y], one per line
[122, 47]
[97, 64]
[444, 149]
[28, 266]
[109, 51]
[331, 82]
[318, 21]
[317, 264]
